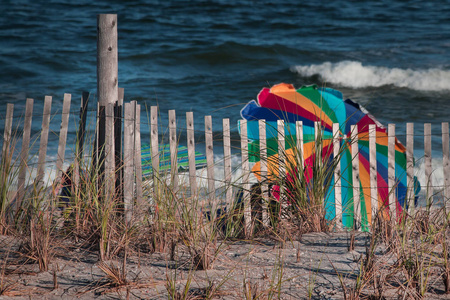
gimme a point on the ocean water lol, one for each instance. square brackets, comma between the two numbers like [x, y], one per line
[211, 57]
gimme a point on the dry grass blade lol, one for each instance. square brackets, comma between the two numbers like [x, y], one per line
[114, 274]
[6, 286]
[250, 290]
[38, 245]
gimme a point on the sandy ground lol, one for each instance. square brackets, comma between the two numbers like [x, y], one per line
[293, 271]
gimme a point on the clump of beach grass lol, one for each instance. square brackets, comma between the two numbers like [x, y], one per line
[302, 187]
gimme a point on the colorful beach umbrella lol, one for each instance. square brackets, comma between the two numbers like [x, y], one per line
[312, 104]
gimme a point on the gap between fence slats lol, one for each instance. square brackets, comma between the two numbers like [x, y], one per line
[82, 125]
[80, 143]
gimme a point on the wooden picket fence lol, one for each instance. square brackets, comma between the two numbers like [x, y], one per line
[129, 153]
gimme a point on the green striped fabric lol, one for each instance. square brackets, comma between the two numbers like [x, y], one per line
[164, 159]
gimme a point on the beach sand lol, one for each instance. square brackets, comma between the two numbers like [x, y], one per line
[295, 270]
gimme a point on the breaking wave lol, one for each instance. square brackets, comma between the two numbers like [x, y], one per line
[355, 75]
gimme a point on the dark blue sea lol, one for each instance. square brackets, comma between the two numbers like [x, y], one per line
[211, 57]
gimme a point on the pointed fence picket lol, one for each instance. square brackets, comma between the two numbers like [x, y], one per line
[263, 170]
[24, 152]
[227, 161]
[428, 165]
[410, 166]
[446, 159]
[63, 135]
[337, 177]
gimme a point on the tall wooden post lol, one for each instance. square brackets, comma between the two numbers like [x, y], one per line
[107, 92]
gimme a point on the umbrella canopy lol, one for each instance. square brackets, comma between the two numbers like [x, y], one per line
[311, 104]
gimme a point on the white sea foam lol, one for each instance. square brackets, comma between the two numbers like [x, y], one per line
[436, 179]
[354, 74]
[50, 173]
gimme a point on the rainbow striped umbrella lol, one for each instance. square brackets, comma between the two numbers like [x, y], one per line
[311, 104]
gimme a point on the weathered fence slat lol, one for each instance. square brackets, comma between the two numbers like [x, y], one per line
[391, 171]
[24, 152]
[43, 141]
[6, 149]
[128, 160]
[191, 152]
[227, 161]
[299, 134]
[7, 132]
[245, 178]
[63, 135]
[318, 142]
[373, 171]
[118, 128]
[410, 167]
[173, 144]
[154, 143]
[263, 170]
[137, 154]
[337, 176]
[109, 151]
[446, 161]
[428, 163]
[355, 177]
[210, 161]
[282, 162]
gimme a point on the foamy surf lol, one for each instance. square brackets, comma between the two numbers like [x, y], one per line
[356, 75]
